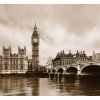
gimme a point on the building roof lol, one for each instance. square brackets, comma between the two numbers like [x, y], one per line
[62, 55]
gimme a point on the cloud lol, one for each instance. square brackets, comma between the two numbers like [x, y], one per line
[76, 18]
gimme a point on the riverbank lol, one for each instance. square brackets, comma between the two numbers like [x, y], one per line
[26, 75]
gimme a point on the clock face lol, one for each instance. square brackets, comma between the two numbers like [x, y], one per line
[35, 40]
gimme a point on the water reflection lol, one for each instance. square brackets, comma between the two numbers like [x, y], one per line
[35, 86]
[65, 85]
[19, 86]
[90, 85]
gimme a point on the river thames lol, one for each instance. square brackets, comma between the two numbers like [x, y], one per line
[35, 86]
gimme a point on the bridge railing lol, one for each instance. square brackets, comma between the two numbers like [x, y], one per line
[50, 67]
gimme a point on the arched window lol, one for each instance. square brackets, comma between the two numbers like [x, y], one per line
[21, 67]
[6, 67]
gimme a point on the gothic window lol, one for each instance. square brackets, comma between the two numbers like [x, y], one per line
[16, 67]
[65, 62]
[6, 67]
[21, 67]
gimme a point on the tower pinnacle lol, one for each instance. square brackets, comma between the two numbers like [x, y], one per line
[35, 27]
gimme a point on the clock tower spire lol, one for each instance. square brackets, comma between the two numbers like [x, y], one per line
[35, 49]
[35, 27]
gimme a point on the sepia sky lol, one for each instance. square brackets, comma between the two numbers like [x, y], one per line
[61, 27]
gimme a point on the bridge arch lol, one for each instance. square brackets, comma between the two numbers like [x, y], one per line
[60, 70]
[53, 70]
[91, 69]
[72, 70]
[49, 71]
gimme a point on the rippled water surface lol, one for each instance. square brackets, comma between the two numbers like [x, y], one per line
[35, 86]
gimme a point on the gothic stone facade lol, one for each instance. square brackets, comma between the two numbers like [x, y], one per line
[63, 59]
[19, 63]
[13, 63]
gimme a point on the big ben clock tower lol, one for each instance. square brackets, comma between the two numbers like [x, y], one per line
[35, 49]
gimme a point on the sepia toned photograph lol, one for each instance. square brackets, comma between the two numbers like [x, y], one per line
[49, 50]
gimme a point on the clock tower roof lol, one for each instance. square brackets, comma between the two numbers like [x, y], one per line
[35, 32]
[35, 27]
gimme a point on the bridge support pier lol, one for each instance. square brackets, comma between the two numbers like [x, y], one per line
[79, 69]
[59, 77]
[49, 76]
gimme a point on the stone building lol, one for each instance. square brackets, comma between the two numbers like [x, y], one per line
[0, 63]
[96, 56]
[63, 59]
[13, 63]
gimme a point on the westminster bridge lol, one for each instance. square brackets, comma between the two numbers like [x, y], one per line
[87, 68]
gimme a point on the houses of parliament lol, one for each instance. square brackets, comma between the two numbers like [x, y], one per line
[19, 63]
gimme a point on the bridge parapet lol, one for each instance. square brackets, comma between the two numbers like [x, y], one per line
[79, 66]
[58, 67]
